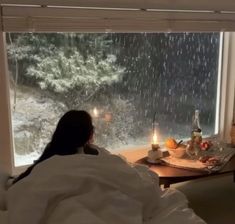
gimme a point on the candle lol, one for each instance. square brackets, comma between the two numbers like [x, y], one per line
[155, 140]
[155, 137]
[95, 112]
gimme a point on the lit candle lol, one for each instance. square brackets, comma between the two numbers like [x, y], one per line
[95, 112]
[155, 140]
[154, 137]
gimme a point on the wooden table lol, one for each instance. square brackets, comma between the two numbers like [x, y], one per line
[171, 175]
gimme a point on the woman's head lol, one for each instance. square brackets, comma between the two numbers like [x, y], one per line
[73, 130]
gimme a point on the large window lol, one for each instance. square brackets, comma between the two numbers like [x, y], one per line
[122, 79]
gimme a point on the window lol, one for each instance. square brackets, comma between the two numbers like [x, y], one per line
[123, 79]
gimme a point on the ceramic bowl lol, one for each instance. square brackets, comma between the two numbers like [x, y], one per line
[179, 152]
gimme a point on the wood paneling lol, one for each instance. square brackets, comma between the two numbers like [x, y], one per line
[214, 5]
[99, 25]
[113, 14]
[100, 20]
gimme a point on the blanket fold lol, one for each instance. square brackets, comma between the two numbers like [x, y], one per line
[93, 189]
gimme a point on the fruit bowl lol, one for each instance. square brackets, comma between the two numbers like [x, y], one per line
[178, 152]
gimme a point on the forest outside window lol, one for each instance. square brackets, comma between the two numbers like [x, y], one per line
[125, 77]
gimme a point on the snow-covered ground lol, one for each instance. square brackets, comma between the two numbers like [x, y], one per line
[27, 159]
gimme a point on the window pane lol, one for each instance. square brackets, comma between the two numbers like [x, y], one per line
[126, 78]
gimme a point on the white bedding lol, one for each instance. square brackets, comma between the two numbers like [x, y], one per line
[87, 189]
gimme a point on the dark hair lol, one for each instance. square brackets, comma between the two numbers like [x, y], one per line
[73, 130]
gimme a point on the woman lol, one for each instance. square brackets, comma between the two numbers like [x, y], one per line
[72, 135]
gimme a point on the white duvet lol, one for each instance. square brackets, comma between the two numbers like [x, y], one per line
[86, 189]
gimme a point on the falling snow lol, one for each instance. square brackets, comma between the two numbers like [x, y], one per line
[170, 74]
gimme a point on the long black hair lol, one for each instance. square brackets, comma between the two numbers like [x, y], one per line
[73, 130]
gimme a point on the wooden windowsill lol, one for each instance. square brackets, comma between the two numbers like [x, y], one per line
[134, 154]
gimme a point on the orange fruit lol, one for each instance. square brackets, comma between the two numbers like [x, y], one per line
[171, 143]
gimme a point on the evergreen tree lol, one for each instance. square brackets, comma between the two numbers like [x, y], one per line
[73, 67]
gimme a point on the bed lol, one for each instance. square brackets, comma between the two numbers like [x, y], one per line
[87, 189]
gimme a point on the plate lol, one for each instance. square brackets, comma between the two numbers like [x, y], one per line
[157, 161]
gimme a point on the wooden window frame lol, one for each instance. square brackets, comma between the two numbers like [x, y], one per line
[226, 78]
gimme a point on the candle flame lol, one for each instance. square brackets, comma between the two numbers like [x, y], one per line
[155, 139]
[95, 112]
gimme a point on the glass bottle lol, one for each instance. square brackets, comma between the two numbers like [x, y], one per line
[193, 147]
[196, 129]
